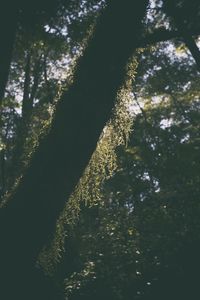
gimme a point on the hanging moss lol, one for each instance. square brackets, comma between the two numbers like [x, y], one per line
[101, 167]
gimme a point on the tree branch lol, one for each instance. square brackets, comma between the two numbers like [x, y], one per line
[162, 35]
[179, 18]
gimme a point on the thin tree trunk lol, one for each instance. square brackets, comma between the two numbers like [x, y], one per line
[26, 104]
[49, 93]
[36, 77]
[8, 27]
[22, 130]
[29, 218]
[3, 172]
[3, 175]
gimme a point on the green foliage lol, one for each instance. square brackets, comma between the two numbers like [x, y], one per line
[53, 57]
[149, 214]
[132, 222]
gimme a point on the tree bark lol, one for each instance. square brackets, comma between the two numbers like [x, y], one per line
[8, 27]
[28, 219]
[36, 78]
[2, 172]
[23, 126]
[26, 103]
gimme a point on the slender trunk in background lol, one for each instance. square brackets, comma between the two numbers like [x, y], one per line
[26, 104]
[36, 78]
[22, 129]
[28, 219]
[29, 93]
[50, 95]
[8, 28]
[2, 172]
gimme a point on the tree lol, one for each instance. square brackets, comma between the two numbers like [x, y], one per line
[32, 206]
[56, 165]
[141, 241]
[30, 18]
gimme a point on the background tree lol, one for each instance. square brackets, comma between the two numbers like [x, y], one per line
[141, 240]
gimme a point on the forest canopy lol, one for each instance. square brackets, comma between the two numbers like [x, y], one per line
[99, 150]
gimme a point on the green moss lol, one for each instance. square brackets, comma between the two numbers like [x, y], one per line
[100, 168]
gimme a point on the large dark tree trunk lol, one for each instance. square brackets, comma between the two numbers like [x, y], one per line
[28, 219]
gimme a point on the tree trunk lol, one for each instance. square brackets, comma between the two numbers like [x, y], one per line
[28, 219]
[36, 78]
[2, 173]
[23, 126]
[26, 103]
[8, 27]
